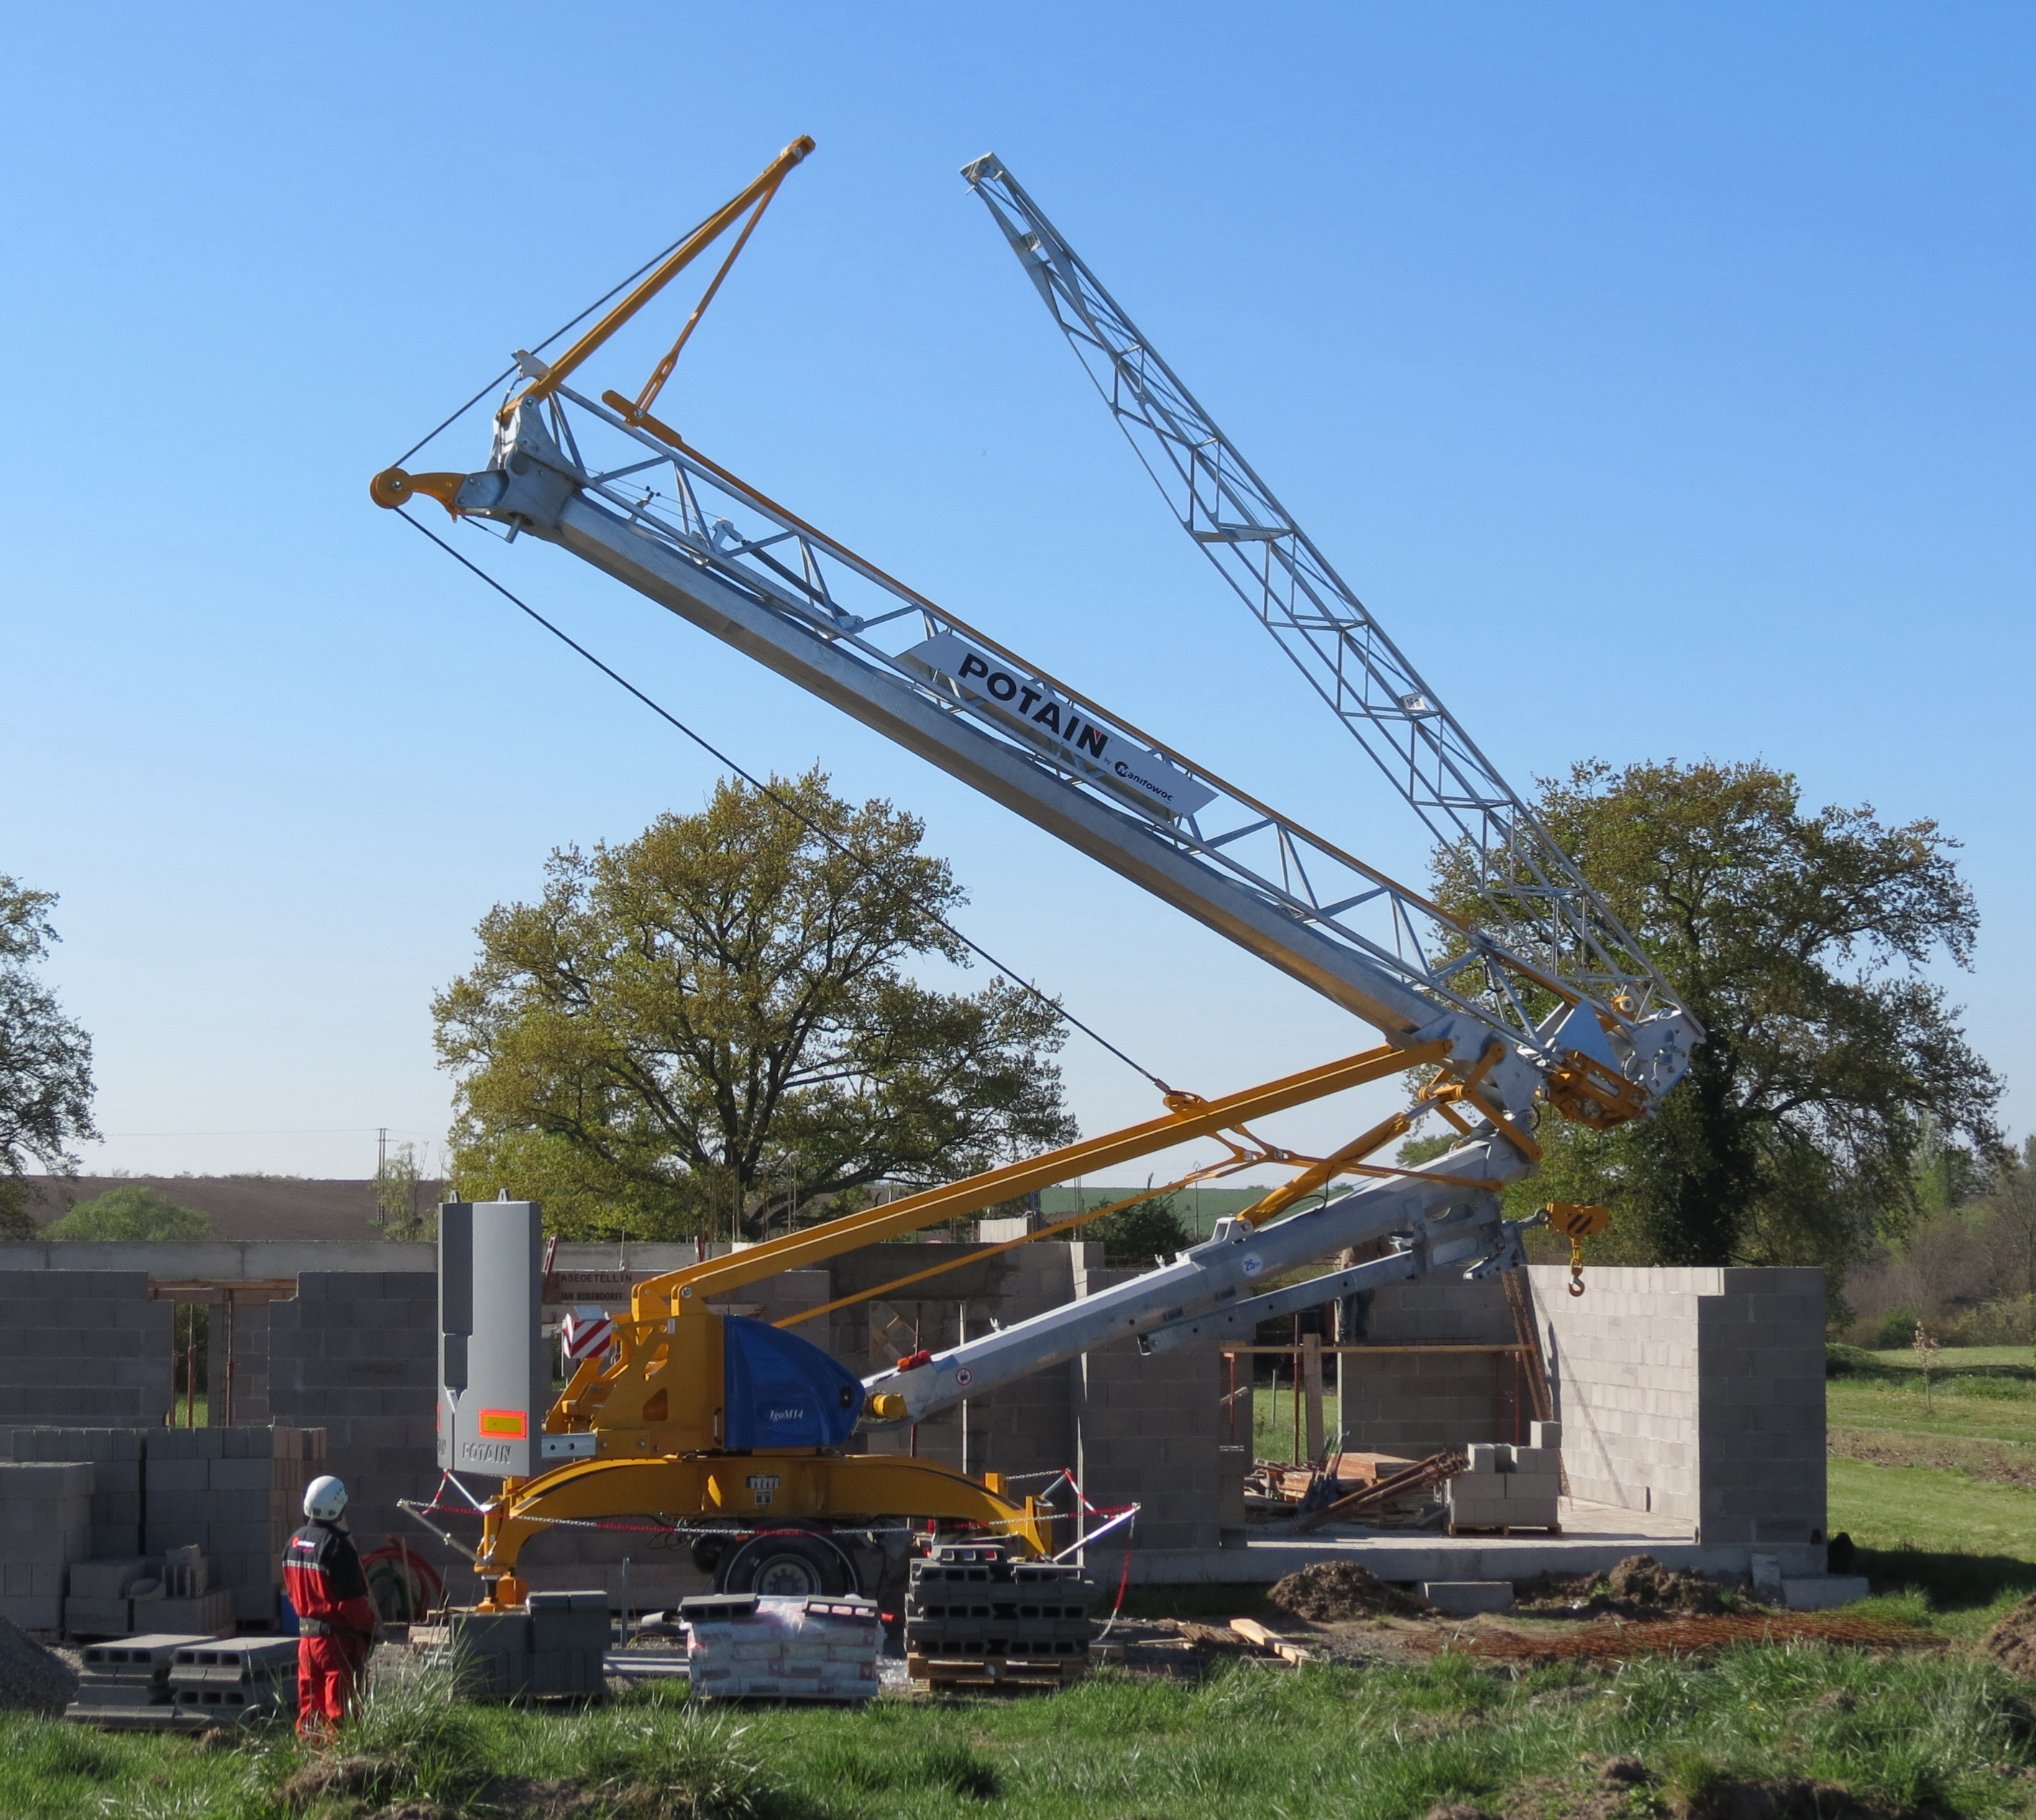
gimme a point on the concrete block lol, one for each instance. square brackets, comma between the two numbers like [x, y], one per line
[102, 1579]
[240, 1475]
[1465, 1598]
[1483, 1457]
[96, 1617]
[45, 1479]
[32, 1614]
[1819, 1592]
[176, 1474]
[1547, 1434]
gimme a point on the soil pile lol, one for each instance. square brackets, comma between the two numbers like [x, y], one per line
[1324, 1591]
[2012, 1641]
[1786, 1798]
[32, 1679]
[1638, 1587]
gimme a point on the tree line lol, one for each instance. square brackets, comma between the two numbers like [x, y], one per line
[722, 1027]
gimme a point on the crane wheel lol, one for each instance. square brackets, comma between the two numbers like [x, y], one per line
[788, 1564]
[391, 488]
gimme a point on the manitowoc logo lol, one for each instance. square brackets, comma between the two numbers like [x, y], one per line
[1024, 705]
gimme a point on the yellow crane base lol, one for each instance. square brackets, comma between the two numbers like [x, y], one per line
[787, 1493]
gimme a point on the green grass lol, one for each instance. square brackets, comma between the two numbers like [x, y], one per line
[1330, 1742]
[1930, 1509]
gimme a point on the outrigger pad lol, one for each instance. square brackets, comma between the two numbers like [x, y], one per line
[780, 1391]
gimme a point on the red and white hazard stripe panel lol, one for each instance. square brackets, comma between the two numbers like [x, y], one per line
[587, 1333]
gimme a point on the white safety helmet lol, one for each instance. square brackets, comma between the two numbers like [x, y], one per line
[324, 1499]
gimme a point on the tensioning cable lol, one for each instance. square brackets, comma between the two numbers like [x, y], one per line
[763, 789]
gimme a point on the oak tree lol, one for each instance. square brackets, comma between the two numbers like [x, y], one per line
[712, 1029]
[1800, 939]
[45, 1061]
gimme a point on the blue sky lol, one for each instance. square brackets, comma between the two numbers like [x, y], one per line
[1660, 375]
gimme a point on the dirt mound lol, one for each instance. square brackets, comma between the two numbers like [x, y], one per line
[1786, 1798]
[2012, 1641]
[1639, 1587]
[32, 1679]
[340, 1779]
[1324, 1591]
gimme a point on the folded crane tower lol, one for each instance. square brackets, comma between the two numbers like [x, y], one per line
[1539, 1001]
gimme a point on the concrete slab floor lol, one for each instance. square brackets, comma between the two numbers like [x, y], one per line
[1595, 1537]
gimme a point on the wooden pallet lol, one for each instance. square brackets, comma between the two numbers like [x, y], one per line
[1013, 1674]
[1511, 1529]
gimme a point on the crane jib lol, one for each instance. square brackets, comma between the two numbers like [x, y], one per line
[1029, 706]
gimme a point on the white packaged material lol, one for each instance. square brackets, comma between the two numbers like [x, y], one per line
[785, 1648]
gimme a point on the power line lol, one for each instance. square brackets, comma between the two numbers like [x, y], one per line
[764, 790]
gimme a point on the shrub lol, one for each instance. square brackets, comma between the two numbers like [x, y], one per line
[1898, 1328]
[133, 1215]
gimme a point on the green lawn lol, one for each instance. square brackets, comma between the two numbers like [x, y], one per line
[1932, 1732]
[1932, 1509]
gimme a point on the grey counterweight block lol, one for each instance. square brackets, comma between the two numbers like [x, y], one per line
[494, 1380]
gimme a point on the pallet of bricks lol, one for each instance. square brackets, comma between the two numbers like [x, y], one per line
[1502, 1489]
[166, 1683]
[747, 1646]
[555, 1647]
[234, 1494]
[237, 1493]
[975, 1618]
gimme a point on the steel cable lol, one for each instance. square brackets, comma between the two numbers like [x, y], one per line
[764, 790]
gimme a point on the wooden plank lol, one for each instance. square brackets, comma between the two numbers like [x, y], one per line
[1311, 1389]
[1285, 1647]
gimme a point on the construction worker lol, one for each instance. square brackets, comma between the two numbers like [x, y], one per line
[335, 1617]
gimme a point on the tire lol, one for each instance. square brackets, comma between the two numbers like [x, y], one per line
[788, 1564]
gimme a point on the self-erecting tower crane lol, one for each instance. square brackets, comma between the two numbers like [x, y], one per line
[1542, 1002]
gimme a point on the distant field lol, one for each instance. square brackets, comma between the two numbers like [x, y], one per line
[1951, 1471]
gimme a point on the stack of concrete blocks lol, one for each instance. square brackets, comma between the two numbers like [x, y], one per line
[746, 1646]
[356, 1354]
[556, 1647]
[238, 1493]
[234, 1682]
[1509, 1487]
[1695, 1394]
[125, 1685]
[84, 1346]
[45, 1525]
[1148, 1429]
[100, 1601]
[115, 1454]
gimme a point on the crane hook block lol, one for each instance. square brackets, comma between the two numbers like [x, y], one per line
[1577, 1221]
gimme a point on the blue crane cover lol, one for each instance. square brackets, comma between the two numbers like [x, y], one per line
[780, 1391]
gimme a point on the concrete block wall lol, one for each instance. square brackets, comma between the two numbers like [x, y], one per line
[357, 1356]
[1417, 1404]
[45, 1525]
[1026, 1430]
[1697, 1394]
[1147, 1431]
[115, 1454]
[83, 1346]
[238, 1493]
